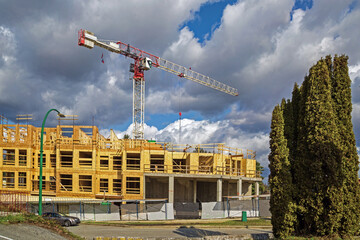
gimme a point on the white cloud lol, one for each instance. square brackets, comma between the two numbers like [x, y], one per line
[256, 49]
[354, 72]
[200, 132]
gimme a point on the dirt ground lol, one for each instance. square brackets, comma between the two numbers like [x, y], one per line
[26, 232]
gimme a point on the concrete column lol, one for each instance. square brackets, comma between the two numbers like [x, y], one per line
[239, 187]
[257, 188]
[195, 189]
[171, 189]
[219, 190]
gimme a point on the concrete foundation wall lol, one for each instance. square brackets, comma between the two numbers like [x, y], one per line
[156, 187]
[206, 191]
[183, 190]
[229, 189]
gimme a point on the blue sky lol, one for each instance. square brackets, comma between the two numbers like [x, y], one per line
[208, 18]
[260, 47]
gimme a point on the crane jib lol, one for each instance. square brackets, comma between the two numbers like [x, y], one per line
[88, 39]
[144, 61]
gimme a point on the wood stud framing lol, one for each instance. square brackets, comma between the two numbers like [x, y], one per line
[80, 162]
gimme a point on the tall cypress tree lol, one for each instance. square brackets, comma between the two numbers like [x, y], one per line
[325, 200]
[317, 164]
[301, 175]
[287, 109]
[281, 205]
[295, 108]
[322, 155]
[341, 95]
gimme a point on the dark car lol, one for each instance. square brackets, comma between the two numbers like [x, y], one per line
[62, 218]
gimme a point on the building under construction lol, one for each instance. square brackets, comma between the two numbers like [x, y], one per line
[81, 163]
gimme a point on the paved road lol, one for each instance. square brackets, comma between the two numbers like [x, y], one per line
[91, 231]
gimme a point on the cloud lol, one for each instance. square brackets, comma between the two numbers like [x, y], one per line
[256, 48]
[201, 132]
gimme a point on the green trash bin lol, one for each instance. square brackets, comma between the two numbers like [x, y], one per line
[244, 216]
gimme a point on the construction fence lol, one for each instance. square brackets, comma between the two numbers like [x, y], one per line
[150, 210]
[11, 202]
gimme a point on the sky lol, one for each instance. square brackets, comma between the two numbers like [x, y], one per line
[259, 47]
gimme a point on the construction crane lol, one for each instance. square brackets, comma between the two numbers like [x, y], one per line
[144, 61]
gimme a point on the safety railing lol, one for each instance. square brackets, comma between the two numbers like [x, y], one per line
[195, 169]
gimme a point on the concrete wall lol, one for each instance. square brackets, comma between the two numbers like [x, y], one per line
[229, 188]
[206, 191]
[156, 187]
[183, 190]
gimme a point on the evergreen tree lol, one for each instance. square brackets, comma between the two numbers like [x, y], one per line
[319, 194]
[341, 95]
[295, 105]
[301, 176]
[325, 200]
[281, 205]
[313, 153]
[287, 109]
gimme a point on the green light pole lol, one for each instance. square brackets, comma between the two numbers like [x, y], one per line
[41, 156]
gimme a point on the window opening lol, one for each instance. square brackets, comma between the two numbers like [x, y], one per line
[22, 180]
[8, 179]
[133, 161]
[104, 185]
[66, 159]
[117, 162]
[22, 157]
[66, 182]
[104, 162]
[117, 185]
[85, 160]
[133, 185]
[85, 183]
[8, 157]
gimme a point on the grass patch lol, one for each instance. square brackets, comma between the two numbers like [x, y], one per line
[29, 218]
[21, 218]
[250, 222]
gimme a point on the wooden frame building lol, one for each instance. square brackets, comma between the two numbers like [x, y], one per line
[79, 162]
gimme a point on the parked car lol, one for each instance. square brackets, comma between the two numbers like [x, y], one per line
[62, 218]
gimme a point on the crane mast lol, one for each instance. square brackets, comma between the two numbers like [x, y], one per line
[144, 61]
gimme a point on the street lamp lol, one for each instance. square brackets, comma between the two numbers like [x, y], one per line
[41, 156]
